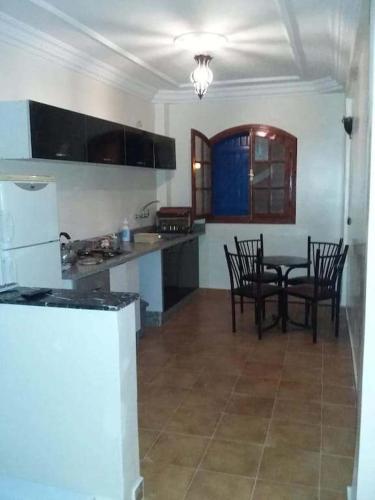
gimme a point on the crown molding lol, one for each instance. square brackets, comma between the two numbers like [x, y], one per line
[321, 86]
[94, 35]
[21, 35]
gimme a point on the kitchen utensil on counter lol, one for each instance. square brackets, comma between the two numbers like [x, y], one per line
[68, 254]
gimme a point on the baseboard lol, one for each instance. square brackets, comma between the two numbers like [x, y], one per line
[354, 357]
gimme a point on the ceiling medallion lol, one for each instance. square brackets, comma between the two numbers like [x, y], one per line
[202, 43]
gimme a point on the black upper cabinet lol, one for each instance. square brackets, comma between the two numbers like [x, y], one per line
[139, 148]
[57, 134]
[165, 152]
[105, 142]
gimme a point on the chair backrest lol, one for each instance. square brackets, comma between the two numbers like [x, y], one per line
[239, 265]
[326, 249]
[328, 269]
[249, 250]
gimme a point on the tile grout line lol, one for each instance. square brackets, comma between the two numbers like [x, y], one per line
[162, 430]
[269, 424]
[321, 428]
[222, 413]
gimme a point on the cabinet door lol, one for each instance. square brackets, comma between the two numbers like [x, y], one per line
[180, 272]
[139, 148]
[165, 152]
[57, 134]
[105, 142]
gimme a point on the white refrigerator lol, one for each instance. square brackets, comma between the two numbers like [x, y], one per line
[29, 233]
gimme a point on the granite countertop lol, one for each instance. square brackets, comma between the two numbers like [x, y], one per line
[101, 301]
[130, 251]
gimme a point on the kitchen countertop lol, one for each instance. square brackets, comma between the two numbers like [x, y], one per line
[101, 301]
[131, 251]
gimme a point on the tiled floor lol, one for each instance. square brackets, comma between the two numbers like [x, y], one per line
[228, 417]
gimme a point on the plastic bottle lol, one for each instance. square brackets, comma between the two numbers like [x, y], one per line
[125, 230]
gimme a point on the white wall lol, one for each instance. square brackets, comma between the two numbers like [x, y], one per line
[316, 122]
[92, 199]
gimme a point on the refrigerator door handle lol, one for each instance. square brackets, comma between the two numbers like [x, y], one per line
[6, 229]
[8, 270]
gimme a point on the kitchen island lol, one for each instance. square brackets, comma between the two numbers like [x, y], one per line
[68, 423]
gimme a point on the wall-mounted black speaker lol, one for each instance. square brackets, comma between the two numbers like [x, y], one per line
[348, 125]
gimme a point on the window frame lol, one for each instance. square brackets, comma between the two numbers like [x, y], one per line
[289, 215]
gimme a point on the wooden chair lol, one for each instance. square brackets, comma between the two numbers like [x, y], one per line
[326, 285]
[256, 290]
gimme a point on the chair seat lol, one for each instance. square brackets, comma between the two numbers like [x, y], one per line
[306, 291]
[251, 291]
[305, 280]
[266, 277]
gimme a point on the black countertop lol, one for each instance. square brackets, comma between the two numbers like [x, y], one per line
[130, 251]
[101, 301]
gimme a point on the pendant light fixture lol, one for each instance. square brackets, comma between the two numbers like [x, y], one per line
[205, 43]
[202, 76]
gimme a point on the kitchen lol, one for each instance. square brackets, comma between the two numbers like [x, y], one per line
[100, 80]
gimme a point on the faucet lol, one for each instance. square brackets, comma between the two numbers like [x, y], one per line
[143, 213]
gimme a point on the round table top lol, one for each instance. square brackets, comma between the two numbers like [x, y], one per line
[284, 260]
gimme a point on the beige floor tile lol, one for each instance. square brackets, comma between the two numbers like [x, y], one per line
[178, 449]
[338, 375]
[277, 491]
[262, 388]
[153, 416]
[241, 404]
[146, 439]
[303, 343]
[339, 395]
[263, 370]
[333, 495]
[299, 391]
[302, 412]
[242, 428]
[232, 457]
[193, 421]
[165, 482]
[296, 373]
[336, 472]
[206, 400]
[216, 486]
[169, 397]
[215, 382]
[174, 377]
[339, 441]
[303, 360]
[339, 416]
[290, 465]
[294, 435]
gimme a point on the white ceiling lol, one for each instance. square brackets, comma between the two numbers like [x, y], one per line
[273, 45]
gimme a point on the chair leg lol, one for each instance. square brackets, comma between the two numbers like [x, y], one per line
[233, 314]
[307, 312]
[259, 305]
[333, 308]
[283, 298]
[315, 321]
[241, 304]
[256, 312]
[337, 316]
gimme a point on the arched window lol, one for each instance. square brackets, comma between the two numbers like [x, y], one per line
[244, 174]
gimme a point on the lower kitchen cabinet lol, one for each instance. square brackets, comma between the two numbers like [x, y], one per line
[180, 264]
